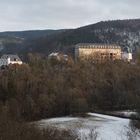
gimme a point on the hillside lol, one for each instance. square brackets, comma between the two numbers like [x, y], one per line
[122, 32]
[16, 42]
[32, 34]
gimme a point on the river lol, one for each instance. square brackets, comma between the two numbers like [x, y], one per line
[104, 127]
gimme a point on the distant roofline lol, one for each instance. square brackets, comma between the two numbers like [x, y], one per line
[97, 45]
[106, 44]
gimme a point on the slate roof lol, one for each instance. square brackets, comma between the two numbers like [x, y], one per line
[12, 57]
[97, 46]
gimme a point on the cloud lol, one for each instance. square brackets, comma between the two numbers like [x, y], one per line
[55, 14]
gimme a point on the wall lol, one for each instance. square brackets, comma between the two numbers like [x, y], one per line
[16, 62]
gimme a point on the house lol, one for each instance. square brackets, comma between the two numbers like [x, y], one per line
[5, 60]
[58, 56]
[98, 51]
[127, 54]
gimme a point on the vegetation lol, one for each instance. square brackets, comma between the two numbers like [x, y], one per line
[46, 88]
[50, 87]
[14, 130]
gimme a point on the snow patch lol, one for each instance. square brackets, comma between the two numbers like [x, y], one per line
[104, 127]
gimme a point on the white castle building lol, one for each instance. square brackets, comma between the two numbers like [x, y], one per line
[102, 51]
[6, 60]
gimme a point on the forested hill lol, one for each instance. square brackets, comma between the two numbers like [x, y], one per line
[17, 41]
[122, 32]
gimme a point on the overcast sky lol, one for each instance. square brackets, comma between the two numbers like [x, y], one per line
[56, 14]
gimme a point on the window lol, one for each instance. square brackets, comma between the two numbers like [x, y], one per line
[111, 55]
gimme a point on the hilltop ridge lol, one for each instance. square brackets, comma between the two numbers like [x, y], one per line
[121, 32]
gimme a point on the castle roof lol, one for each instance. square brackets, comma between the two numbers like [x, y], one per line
[98, 46]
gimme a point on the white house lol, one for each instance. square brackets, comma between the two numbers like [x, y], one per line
[5, 60]
[127, 54]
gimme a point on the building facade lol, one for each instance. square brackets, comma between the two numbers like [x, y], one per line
[6, 60]
[127, 54]
[98, 51]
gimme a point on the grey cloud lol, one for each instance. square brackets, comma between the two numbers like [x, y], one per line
[43, 14]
